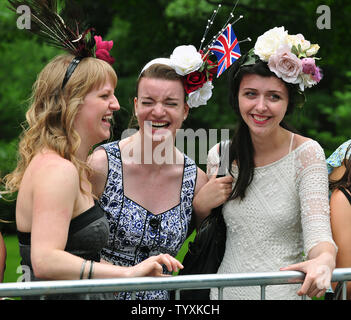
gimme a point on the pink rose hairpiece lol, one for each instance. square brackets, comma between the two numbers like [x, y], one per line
[290, 57]
[64, 34]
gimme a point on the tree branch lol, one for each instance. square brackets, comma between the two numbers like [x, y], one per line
[257, 10]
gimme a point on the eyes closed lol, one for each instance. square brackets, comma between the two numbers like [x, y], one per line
[148, 102]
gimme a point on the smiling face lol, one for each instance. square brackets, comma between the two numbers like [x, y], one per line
[160, 107]
[263, 102]
[95, 114]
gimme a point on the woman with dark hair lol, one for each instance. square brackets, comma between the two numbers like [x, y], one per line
[278, 208]
[340, 213]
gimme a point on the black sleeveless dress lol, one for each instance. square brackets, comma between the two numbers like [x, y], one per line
[88, 234]
[347, 195]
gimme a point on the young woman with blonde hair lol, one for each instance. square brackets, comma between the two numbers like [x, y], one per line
[59, 225]
[61, 228]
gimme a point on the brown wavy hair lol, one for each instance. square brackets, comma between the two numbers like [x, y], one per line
[50, 117]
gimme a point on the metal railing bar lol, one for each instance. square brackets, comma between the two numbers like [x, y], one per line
[220, 281]
[344, 290]
[220, 293]
[263, 292]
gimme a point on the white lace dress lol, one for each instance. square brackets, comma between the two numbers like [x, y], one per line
[285, 212]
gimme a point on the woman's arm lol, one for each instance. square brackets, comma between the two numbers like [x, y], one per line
[340, 214]
[2, 258]
[312, 179]
[55, 192]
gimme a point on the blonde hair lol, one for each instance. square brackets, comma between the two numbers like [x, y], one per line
[50, 117]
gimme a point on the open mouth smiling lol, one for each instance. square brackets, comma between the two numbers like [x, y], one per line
[159, 124]
[260, 119]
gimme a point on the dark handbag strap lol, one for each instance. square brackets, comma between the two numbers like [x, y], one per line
[223, 154]
[347, 195]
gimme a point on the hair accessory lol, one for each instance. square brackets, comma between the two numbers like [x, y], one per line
[290, 57]
[197, 68]
[64, 34]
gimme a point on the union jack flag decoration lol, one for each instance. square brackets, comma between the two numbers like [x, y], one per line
[226, 49]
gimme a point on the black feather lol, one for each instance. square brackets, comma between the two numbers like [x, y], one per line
[62, 32]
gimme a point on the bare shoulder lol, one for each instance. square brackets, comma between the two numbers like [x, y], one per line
[52, 168]
[98, 160]
[339, 198]
[300, 140]
[309, 148]
[52, 164]
[340, 209]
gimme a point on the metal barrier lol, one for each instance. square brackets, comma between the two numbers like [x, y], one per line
[176, 283]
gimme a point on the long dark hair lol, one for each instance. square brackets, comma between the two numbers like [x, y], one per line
[345, 180]
[241, 149]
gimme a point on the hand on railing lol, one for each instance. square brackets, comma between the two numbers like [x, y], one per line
[317, 279]
[153, 266]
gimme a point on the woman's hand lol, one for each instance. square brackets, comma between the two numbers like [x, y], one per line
[153, 266]
[318, 272]
[214, 193]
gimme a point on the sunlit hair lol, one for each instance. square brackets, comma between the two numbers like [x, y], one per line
[52, 111]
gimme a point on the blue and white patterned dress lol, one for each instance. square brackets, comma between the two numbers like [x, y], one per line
[136, 233]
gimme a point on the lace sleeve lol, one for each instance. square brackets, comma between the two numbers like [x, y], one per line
[312, 181]
[212, 160]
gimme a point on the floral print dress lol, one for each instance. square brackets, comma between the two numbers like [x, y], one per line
[135, 232]
[338, 156]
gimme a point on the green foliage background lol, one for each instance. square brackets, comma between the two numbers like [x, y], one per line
[143, 30]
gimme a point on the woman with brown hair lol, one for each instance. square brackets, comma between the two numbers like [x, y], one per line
[145, 184]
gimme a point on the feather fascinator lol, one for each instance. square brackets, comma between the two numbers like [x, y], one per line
[65, 32]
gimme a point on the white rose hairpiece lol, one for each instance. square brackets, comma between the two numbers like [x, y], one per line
[290, 57]
[196, 66]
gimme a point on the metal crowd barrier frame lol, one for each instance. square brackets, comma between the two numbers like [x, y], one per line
[177, 283]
